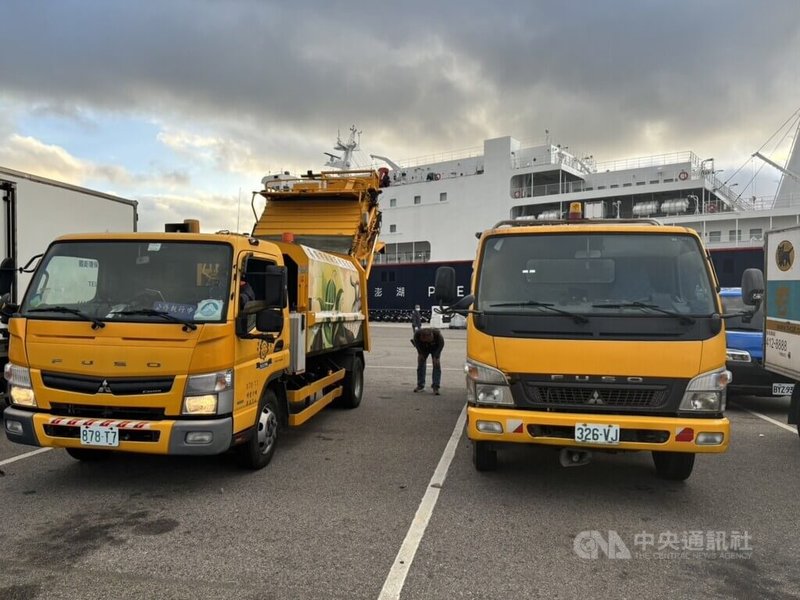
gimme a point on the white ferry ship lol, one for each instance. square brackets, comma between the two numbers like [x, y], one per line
[432, 206]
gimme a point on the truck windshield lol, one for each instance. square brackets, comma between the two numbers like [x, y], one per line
[126, 280]
[595, 274]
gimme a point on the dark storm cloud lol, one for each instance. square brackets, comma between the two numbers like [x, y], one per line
[417, 76]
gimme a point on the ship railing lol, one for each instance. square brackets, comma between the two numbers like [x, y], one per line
[657, 160]
[422, 175]
[717, 244]
[525, 158]
[432, 159]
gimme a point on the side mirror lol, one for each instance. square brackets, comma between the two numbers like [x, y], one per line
[7, 268]
[445, 286]
[7, 309]
[269, 321]
[275, 287]
[752, 287]
[463, 304]
[269, 286]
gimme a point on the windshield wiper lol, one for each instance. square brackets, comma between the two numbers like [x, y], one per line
[574, 316]
[149, 312]
[96, 323]
[686, 320]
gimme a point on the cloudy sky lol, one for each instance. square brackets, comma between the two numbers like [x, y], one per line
[184, 105]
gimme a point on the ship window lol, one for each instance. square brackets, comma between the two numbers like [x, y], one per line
[417, 199]
[640, 182]
[735, 235]
[392, 228]
[756, 235]
[405, 252]
[443, 197]
[654, 181]
[714, 236]
[392, 202]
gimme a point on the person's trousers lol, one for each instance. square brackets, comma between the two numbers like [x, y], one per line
[422, 363]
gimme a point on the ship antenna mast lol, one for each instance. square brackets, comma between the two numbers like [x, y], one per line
[345, 161]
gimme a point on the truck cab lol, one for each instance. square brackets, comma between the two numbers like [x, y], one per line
[182, 342]
[589, 335]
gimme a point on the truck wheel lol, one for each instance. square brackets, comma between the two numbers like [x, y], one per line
[676, 466]
[258, 450]
[353, 385]
[87, 455]
[483, 456]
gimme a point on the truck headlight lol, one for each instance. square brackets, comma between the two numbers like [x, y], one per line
[486, 385]
[20, 390]
[738, 355]
[209, 394]
[706, 392]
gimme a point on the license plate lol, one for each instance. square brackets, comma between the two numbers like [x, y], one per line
[782, 389]
[95, 435]
[590, 433]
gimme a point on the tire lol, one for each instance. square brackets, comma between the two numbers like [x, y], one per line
[258, 450]
[483, 456]
[88, 455]
[353, 385]
[675, 466]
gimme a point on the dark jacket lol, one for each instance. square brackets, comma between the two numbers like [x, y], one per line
[433, 347]
[416, 319]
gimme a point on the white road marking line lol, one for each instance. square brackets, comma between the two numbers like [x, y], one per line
[21, 456]
[766, 418]
[396, 579]
[413, 368]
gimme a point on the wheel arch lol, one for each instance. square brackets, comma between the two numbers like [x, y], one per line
[276, 383]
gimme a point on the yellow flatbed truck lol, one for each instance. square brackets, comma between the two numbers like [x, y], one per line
[191, 343]
[593, 335]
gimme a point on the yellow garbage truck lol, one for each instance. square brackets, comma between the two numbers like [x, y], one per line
[593, 335]
[189, 343]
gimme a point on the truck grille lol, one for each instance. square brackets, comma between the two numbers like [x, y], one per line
[626, 397]
[136, 413]
[117, 386]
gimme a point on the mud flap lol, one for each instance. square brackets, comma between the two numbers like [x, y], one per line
[794, 405]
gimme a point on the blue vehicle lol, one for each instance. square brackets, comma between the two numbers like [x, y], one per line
[745, 342]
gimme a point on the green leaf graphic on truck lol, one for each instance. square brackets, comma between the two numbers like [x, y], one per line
[336, 302]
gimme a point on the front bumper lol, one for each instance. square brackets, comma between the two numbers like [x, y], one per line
[644, 432]
[144, 437]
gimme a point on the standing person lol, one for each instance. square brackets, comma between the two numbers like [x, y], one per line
[428, 342]
[416, 319]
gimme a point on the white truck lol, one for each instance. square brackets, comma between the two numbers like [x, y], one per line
[34, 212]
[778, 289]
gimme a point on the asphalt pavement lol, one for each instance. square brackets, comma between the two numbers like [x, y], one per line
[383, 502]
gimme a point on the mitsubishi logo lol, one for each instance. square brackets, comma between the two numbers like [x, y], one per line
[104, 389]
[593, 399]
